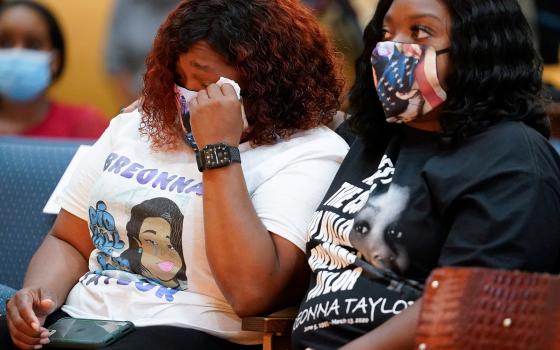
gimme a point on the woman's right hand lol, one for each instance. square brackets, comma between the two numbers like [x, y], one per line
[26, 312]
[56, 266]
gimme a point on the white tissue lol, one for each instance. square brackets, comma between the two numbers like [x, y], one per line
[237, 89]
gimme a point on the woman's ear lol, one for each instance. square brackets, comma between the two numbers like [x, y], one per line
[55, 62]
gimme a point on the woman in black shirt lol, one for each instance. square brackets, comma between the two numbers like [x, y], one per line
[451, 167]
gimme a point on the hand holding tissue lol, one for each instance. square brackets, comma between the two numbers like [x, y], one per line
[214, 113]
[187, 95]
[237, 89]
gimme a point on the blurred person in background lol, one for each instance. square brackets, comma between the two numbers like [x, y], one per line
[32, 58]
[133, 27]
[340, 19]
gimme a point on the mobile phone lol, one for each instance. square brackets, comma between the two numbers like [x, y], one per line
[80, 333]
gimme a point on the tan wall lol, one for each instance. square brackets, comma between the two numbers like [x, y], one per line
[364, 10]
[85, 23]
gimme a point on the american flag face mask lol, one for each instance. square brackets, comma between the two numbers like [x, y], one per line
[405, 76]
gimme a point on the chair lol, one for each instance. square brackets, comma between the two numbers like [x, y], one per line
[276, 328]
[29, 172]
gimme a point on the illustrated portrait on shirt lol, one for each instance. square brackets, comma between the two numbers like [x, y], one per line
[374, 233]
[155, 237]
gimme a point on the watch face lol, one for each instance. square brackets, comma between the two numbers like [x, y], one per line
[216, 156]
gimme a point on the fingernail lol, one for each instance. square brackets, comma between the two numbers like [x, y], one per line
[35, 326]
[45, 341]
[37, 346]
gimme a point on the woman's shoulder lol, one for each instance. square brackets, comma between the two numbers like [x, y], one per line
[127, 119]
[317, 141]
[305, 147]
[515, 143]
[125, 122]
[511, 129]
[504, 151]
[321, 134]
[125, 126]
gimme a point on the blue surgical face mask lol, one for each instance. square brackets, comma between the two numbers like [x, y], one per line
[24, 74]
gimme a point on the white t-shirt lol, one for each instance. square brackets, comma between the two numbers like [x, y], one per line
[144, 211]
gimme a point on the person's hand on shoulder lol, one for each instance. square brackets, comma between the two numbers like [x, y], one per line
[26, 313]
[131, 107]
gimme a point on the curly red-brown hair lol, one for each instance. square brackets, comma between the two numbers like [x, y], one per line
[290, 72]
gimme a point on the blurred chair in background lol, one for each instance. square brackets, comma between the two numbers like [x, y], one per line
[529, 8]
[553, 111]
[548, 16]
[544, 17]
[32, 58]
[132, 31]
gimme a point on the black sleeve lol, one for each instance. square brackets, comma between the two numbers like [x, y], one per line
[510, 220]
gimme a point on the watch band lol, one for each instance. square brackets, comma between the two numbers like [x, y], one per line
[234, 154]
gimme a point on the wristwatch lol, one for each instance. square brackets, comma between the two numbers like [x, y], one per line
[216, 156]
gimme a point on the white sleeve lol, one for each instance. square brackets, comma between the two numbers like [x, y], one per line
[75, 196]
[285, 203]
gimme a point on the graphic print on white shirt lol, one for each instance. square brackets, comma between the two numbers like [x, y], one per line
[154, 234]
[145, 214]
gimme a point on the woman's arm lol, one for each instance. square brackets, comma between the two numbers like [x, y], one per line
[396, 334]
[62, 258]
[254, 268]
[54, 269]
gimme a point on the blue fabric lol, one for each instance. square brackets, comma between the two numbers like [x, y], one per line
[556, 143]
[29, 172]
[5, 293]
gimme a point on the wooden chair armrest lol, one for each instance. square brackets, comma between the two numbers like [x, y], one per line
[278, 322]
[276, 328]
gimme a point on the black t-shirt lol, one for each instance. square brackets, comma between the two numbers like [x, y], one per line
[392, 216]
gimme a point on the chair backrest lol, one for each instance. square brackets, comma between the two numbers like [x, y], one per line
[29, 172]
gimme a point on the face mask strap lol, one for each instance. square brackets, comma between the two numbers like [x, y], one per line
[442, 51]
